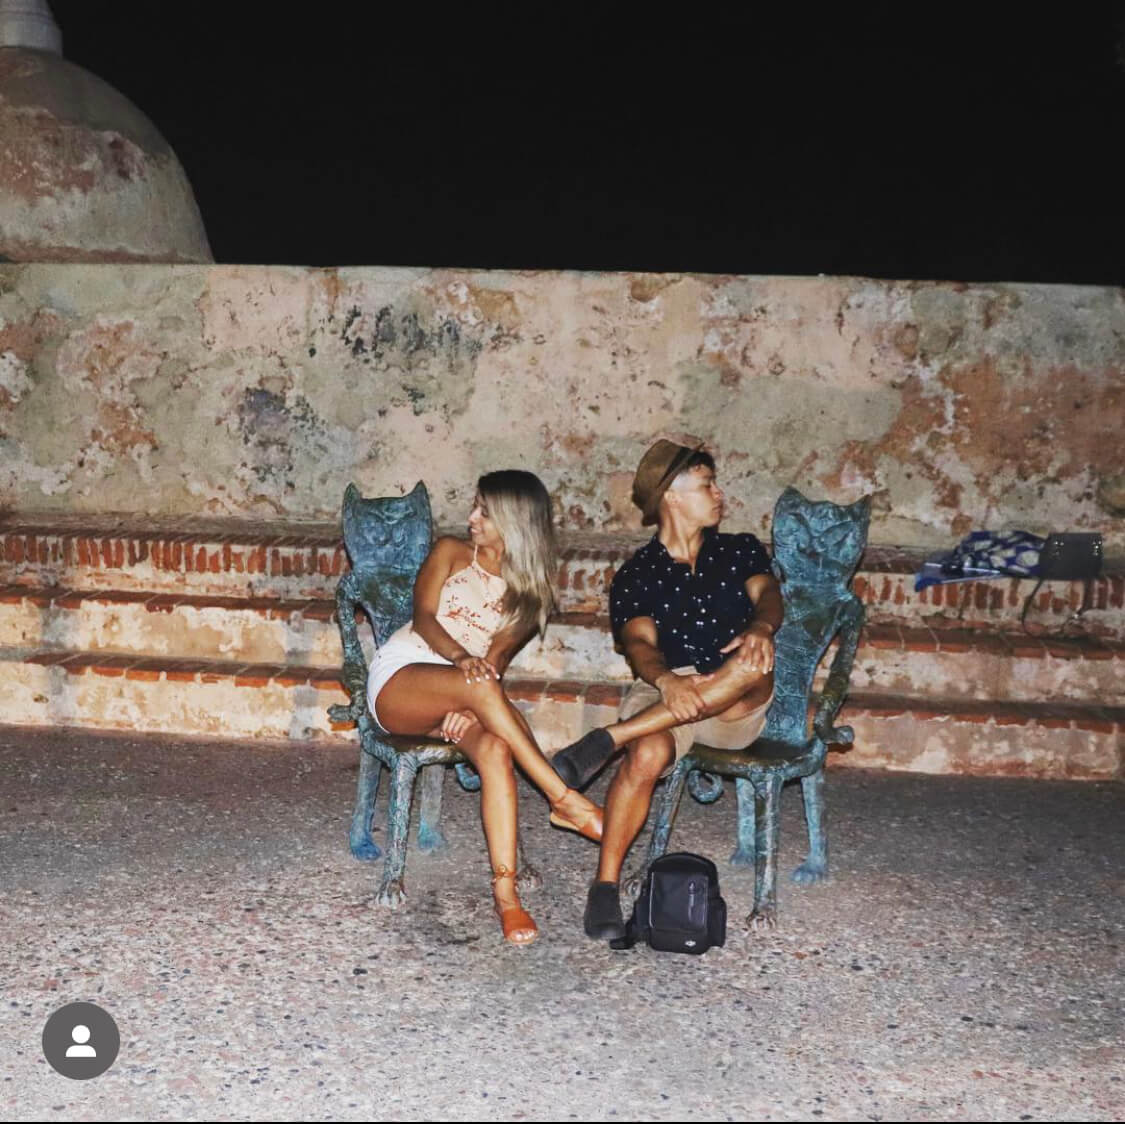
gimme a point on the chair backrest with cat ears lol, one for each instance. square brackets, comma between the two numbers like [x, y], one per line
[816, 548]
[387, 540]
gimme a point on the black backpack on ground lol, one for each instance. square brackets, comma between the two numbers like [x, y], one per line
[679, 908]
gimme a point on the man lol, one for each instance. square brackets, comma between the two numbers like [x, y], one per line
[695, 612]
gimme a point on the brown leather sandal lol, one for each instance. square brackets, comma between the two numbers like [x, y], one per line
[515, 919]
[589, 826]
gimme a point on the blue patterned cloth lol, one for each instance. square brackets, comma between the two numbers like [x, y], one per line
[981, 555]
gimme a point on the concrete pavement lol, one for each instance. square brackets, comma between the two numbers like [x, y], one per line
[964, 962]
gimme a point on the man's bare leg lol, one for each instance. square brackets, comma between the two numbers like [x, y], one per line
[628, 799]
[626, 808]
[735, 689]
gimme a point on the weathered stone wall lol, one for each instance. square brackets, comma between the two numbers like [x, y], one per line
[261, 391]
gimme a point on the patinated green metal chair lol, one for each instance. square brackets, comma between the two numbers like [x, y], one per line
[817, 547]
[387, 540]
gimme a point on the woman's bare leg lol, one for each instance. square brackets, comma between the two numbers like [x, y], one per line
[418, 697]
[492, 759]
[493, 762]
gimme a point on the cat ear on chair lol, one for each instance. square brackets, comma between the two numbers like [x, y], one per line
[818, 542]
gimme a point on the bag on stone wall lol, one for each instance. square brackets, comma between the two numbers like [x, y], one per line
[1068, 556]
[981, 555]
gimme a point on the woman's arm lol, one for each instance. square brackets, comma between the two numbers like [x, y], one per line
[505, 644]
[427, 594]
[438, 566]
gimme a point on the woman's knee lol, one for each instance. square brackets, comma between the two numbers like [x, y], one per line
[486, 695]
[493, 752]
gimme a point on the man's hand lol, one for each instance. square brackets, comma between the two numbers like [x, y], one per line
[754, 647]
[455, 725]
[681, 696]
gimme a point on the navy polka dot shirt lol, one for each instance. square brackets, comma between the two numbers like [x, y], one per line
[695, 614]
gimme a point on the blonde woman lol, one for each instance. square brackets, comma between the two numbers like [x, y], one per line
[475, 604]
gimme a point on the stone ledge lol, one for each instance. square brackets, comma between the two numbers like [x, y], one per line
[1074, 716]
[608, 545]
[611, 545]
[1081, 716]
[278, 702]
[882, 636]
[272, 608]
[303, 562]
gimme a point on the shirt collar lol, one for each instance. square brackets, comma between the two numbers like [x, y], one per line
[658, 548]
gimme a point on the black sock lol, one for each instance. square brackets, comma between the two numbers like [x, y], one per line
[603, 920]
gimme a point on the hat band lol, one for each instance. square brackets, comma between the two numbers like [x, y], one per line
[671, 472]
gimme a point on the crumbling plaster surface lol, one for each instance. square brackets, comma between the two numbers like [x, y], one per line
[261, 391]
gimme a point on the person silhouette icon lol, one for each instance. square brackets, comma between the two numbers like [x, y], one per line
[81, 1048]
[70, 1033]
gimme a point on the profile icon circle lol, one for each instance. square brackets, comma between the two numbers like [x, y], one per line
[81, 1041]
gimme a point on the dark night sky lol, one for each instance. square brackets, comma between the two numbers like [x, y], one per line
[971, 144]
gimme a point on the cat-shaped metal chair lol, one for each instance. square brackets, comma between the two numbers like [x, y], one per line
[387, 540]
[817, 547]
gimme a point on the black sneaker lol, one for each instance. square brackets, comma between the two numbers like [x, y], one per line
[581, 761]
[603, 919]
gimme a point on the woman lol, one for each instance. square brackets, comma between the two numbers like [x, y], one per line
[475, 604]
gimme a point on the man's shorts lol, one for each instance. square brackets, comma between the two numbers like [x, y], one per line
[719, 733]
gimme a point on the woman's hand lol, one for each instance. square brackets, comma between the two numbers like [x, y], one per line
[456, 724]
[476, 669]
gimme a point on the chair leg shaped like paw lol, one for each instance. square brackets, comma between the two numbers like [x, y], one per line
[631, 888]
[808, 873]
[392, 893]
[432, 840]
[762, 920]
[529, 880]
[743, 856]
[366, 850]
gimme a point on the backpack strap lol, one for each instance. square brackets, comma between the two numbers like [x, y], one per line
[635, 929]
[630, 938]
[1074, 618]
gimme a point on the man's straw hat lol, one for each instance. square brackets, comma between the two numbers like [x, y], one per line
[658, 468]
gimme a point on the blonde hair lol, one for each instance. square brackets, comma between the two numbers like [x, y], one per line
[520, 508]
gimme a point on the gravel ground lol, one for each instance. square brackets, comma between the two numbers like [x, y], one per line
[963, 962]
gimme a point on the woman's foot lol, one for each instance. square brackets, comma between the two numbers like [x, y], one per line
[514, 919]
[581, 761]
[573, 812]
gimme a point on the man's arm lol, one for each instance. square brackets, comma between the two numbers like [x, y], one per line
[755, 644]
[678, 692]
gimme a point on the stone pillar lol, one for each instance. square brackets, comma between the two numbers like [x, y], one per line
[29, 23]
